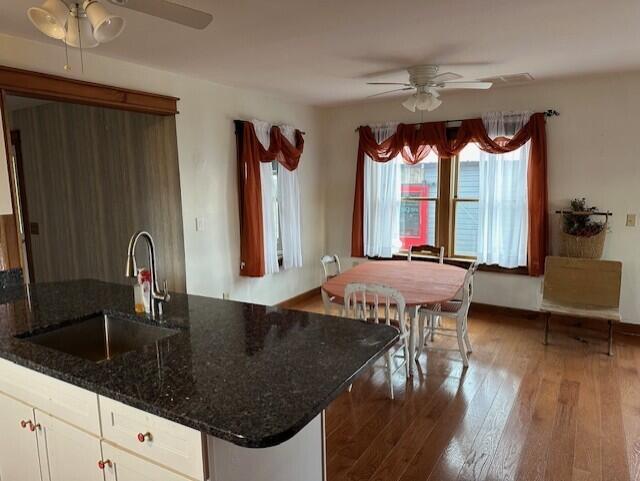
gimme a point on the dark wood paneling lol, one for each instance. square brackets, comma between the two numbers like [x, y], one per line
[36, 84]
[9, 253]
[93, 176]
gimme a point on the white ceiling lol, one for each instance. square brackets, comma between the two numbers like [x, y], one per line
[323, 51]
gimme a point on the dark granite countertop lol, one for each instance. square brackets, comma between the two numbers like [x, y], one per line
[250, 374]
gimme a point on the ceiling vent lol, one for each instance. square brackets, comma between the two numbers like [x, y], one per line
[512, 79]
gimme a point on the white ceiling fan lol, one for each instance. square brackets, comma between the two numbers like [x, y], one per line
[87, 23]
[426, 81]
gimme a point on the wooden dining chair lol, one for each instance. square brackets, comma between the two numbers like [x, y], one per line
[457, 310]
[331, 268]
[381, 305]
[427, 249]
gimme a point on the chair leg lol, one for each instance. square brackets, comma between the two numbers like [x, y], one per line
[546, 329]
[461, 346]
[610, 338]
[389, 373]
[466, 337]
[432, 325]
[421, 338]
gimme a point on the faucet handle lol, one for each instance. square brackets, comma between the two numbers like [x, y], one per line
[165, 291]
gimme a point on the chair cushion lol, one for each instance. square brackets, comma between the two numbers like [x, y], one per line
[446, 307]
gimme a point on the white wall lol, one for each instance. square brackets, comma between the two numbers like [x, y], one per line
[206, 149]
[592, 153]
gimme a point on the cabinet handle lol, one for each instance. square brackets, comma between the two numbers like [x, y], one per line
[33, 427]
[24, 424]
[103, 464]
[144, 437]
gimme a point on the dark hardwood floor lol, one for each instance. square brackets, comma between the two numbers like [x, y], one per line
[521, 411]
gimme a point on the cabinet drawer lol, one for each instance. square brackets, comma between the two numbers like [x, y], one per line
[124, 466]
[160, 440]
[70, 403]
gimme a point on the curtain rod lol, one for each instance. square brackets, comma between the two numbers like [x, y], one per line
[547, 113]
[236, 121]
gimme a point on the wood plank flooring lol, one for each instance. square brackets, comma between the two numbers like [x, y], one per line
[521, 411]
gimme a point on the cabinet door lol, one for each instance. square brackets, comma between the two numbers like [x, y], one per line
[18, 445]
[70, 454]
[123, 466]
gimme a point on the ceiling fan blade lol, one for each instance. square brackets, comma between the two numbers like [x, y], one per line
[446, 77]
[468, 85]
[166, 10]
[389, 83]
[389, 91]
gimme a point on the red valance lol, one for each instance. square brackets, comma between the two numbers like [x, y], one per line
[415, 142]
[250, 153]
[280, 149]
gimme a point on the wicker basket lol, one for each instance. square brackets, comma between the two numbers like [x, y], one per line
[584, 247]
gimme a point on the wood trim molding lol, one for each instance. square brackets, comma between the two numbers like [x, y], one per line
[53, 87]
[558, 320]
[310, 294]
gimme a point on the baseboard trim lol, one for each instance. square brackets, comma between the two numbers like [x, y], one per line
[491, 309]
[568, 321]
[299, 298]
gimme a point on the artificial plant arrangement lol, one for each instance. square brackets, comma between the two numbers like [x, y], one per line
[581, 236]
[578, 222]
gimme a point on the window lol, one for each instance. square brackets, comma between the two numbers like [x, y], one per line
[419, 206]
[274, 197]
[465, 202]
[440, 203]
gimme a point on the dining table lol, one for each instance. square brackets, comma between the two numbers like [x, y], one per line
[421, 283]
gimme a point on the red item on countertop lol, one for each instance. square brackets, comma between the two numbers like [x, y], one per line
[144, 275]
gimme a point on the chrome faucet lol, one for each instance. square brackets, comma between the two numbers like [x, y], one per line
[156, 296]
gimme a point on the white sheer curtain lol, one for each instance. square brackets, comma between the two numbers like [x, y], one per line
[382, 198]
[269, 214]
[503, 215]
[289, 210]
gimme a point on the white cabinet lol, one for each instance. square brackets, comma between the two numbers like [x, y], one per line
[122, 466]
[18, 443]
[75, 405]
[67, 453]
[160, 440]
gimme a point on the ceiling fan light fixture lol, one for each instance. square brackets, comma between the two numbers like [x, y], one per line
[106, 26]
[410, 103]
[435, 103]
[86, 32]
[50, 18]
[423, 101]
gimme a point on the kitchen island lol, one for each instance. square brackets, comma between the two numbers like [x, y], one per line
[229, 377]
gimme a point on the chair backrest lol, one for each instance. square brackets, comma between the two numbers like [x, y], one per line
[366, 301]
[582, 283]
[331, 266]
[466, 293]
[426, 248]
[473, 268]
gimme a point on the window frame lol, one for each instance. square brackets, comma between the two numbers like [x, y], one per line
[446, 204]
[455, 200]
[274, 172]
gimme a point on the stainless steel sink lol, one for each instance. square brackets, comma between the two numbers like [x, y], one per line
[101, 338]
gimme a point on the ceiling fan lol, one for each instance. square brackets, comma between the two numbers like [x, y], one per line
[87, 23]
[426, 81]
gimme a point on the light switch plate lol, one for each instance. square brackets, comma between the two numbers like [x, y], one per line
[199, 224]
[631, 220]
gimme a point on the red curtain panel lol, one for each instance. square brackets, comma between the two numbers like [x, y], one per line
[250, 153]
